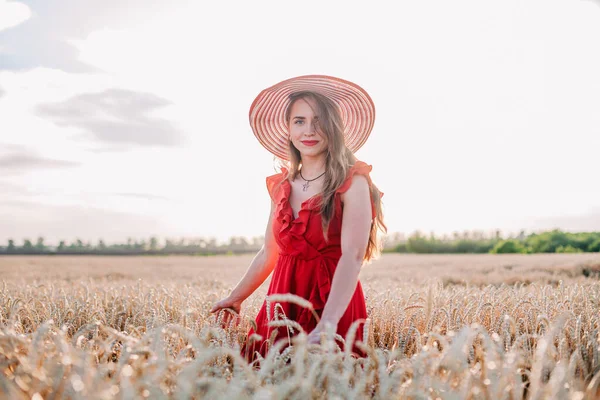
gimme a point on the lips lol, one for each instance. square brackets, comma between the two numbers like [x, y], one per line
[309, 142]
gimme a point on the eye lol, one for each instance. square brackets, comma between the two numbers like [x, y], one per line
[298, 121]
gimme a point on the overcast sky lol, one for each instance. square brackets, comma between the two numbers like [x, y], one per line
[129, 118]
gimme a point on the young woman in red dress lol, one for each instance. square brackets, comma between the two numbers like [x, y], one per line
[325, 211]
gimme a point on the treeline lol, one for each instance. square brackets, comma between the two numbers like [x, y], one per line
[475, 242]
[152, 246]
[554, 241]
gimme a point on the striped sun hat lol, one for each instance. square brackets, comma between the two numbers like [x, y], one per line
[267, 112]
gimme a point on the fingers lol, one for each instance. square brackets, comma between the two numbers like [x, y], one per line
[216, 307]
[223, 306]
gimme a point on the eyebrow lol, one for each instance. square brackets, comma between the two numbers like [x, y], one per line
[301, 117]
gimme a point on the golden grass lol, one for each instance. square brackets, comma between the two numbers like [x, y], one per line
[439, 327]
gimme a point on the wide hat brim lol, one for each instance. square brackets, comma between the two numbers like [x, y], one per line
[267, 112]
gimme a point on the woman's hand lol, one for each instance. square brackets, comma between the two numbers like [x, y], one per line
[227, 302]
[314, 337]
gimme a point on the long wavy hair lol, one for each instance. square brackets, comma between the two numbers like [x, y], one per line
[338, 161]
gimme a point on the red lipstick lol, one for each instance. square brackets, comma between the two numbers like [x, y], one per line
[309, 142]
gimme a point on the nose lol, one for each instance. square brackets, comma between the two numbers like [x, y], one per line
[311, 129]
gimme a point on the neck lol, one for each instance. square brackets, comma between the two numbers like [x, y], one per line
[313, 166]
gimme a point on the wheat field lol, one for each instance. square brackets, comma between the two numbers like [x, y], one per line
[440, 326]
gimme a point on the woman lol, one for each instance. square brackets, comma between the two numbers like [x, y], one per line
[325, 211]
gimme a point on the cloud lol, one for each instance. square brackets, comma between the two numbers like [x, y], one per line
[13, 14]
[116, 116]
[43, 41]
[25, 161]
[2, 92]
[36, 52]
[7, 188]
[20, 161]
[21, 192]
[596, 2]
[21, 219]
[27, 43]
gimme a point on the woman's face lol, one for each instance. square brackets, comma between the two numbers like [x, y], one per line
[304, 130]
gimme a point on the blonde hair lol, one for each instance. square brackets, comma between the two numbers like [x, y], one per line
[338, 161]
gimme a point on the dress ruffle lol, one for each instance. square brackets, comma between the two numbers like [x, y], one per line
[360, 168]
[291, 230]
[294, 228]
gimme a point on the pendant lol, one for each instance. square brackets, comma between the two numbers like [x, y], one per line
[305, 186]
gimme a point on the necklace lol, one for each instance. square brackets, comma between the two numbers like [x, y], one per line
[308, 181]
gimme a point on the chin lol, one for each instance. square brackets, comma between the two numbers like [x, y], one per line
[312, 153]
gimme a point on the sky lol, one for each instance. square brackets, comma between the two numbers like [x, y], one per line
[129, 118]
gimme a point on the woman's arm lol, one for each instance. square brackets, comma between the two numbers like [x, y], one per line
[260, 268]
[356, 226]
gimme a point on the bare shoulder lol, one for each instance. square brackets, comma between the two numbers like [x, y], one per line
[357, 190]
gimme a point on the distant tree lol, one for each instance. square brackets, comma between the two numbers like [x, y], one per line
[169, 245]
[212, 243]
[141, 245]
[583, 241]
[27, 246]
[61, 246]
[418, 243]
[401, 248]
[595, 246]
[11, 246]
[76, 246]
[568, 249]
[547, 242]
[258, 241]
[39, 245]
[153, 243]
[467, 246]
[508, 246]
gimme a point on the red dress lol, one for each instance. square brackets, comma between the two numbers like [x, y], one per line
[306, 262]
